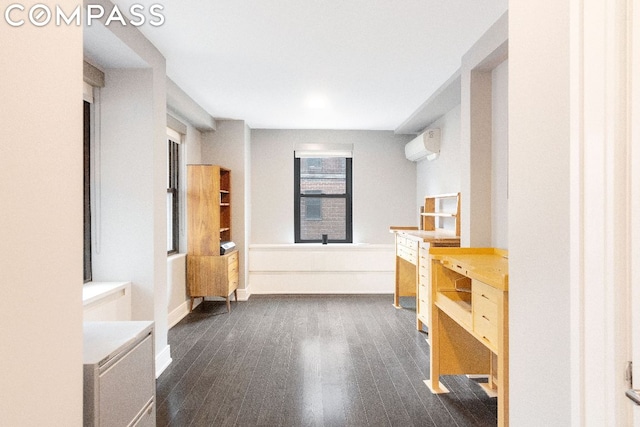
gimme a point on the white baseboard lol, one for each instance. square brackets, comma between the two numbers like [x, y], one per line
[178, 313]
[243, 294]
[163, 360]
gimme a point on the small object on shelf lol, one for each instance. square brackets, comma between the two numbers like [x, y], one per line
[226, 247]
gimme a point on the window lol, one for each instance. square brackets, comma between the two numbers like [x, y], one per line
[313, 206]
[87, 192]
[322, 199]
[173, 196]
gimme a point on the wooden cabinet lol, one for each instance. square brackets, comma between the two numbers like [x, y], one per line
[213, 276]
[209, 223]
[469, 316]
[407, 249]
[412, 250]
[485, 300]
[412, 266]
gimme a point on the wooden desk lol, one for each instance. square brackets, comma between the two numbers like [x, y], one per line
[469, 318]
[412, 266]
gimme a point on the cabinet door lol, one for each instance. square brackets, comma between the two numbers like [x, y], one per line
[127, 386]
[203, 207]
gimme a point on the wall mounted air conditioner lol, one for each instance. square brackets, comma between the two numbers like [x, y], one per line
[426, 145]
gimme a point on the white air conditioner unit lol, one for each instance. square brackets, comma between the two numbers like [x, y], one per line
[426, 145]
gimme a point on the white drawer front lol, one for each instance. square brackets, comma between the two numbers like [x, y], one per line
[127, 386]
[148, 417]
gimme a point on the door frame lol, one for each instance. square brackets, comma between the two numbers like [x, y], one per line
[634, 192]
[603, 255]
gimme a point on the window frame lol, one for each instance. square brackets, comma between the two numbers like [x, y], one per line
[87, 223]
[173, 187]
[347, 196]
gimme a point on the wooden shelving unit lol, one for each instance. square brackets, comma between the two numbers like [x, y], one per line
[225, 204]
[209, 223]
[440, 207]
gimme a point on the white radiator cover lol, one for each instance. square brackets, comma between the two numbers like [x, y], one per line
[106, 301]
[321, 269]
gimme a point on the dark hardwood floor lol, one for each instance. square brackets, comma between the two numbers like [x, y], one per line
[322, 360]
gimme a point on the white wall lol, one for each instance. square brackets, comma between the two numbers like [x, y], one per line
[177, 296]
[41, 225]
[500, 156]
[483, 161]
[122, 230]
[228, 147]
[132, 216]
[539, 214]
[130, 223]
[442, 175]
[476, 138]
[384, 183]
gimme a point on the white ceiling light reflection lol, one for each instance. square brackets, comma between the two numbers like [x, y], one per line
[317, 101]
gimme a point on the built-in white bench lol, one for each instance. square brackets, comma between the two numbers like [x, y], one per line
[321, 269]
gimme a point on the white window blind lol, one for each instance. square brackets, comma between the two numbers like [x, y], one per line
[323, 150]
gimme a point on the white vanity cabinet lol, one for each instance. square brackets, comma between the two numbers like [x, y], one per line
[119, 374]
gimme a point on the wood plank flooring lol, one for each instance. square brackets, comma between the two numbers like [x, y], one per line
[321, 360]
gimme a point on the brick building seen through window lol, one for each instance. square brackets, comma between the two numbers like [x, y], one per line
[323, 199]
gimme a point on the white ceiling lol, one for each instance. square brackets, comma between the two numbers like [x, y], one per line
[316, 64]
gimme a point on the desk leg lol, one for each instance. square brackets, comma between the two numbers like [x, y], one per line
[502, 363]
[396, 293]
[433, 382]
[418, 321]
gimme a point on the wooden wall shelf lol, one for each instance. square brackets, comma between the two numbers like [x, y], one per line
[439, 207]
